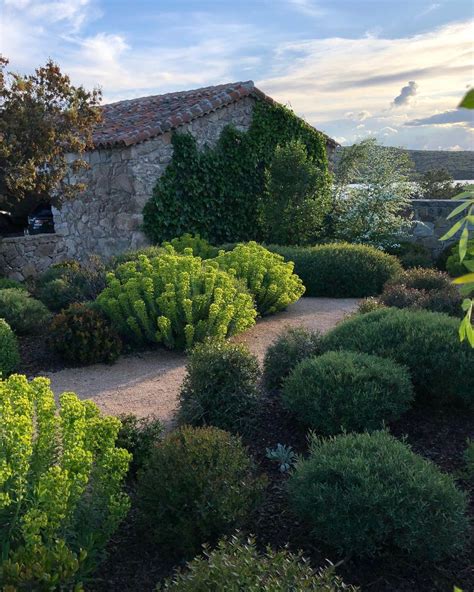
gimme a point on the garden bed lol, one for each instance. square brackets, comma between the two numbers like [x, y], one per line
[439, 435]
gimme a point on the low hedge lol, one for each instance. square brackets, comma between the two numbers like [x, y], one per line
[347, 392]
[363, 494]
[22, 312]
[426, 342]
[9, 354]
[341, 270]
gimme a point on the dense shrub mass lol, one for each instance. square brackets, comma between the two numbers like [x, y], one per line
[268, 277]
[198, 485]
[200, 246]
[9, 355]
[70, 281]
[341, 270]
[411, 255]
[284, 354]
[83, 336]
[139, 436]
[22, 312]
[6, 283]
[236, 565]
[134, 255]
[220, 387]
[61, 478]
[369, 304]
[176, 300]
[347, 392]
[364, 493]
[426, 342]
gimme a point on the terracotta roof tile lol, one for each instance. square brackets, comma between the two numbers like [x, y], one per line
[130, 122]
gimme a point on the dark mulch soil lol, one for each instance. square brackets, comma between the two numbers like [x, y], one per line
[439, 435]
[37, 356]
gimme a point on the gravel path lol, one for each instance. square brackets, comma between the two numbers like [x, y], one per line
[148, 384]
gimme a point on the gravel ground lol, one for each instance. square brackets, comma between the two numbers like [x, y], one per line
[148, 383]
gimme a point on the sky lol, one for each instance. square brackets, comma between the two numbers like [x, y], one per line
[395, 70]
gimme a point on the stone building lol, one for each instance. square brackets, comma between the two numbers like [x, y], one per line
[132, 147]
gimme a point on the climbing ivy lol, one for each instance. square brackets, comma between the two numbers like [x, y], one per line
[218, 192]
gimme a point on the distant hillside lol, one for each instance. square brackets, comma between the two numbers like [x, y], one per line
[459, 164]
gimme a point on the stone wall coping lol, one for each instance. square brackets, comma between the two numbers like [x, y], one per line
[437, 202]
[47, 237]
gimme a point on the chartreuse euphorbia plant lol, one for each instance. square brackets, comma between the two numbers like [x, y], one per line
[61, 478]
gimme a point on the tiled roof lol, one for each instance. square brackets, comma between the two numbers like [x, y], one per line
[136, 120]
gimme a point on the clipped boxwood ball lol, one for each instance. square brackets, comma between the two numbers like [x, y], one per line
[441, 367]
[9, 354]
[347, 391]
[362, 494]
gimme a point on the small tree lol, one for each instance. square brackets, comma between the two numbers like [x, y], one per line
[371, 192]
[43, 118]
[438, 184]
[294, 210]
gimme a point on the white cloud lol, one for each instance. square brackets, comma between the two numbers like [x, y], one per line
[308, 7]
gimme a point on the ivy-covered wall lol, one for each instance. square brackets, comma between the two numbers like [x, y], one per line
[217, 192]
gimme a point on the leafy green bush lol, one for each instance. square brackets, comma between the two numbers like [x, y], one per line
[9, 355]
[139, 435]
[200, 246]
[291, 347]
[176, 300]
[236, 565]
[22, 312]
[453, 264]
[295, 208]
[268, 277]
[347, 392]
[220, 387]
[61, 478]
[6, 283]
[426, 342]
[469, 458]
[198, 485]
[150, 252]
[411, 254]
[423, 288]
[340, 270]
[365, 493]
[70, 281]
[83, 336]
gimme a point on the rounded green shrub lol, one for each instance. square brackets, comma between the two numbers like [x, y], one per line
[61, 477]
[176, 300]
[198, 485]
[420, 278]
[236, 564]
[268, 277]
[426, 342]
[220, 387]
[347, 392]
[341, 270]
[70, 281]
[9, 354]
[22, 312]
[292, 346]
[6, 283]
[200, 246]
[412, 255]
[365, 493]
[152, 251]
[369, 304]
[83, 336]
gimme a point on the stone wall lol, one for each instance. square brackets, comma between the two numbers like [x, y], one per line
[22, 257]
[430, 222]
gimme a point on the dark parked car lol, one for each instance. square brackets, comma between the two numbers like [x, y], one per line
[41, 220]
